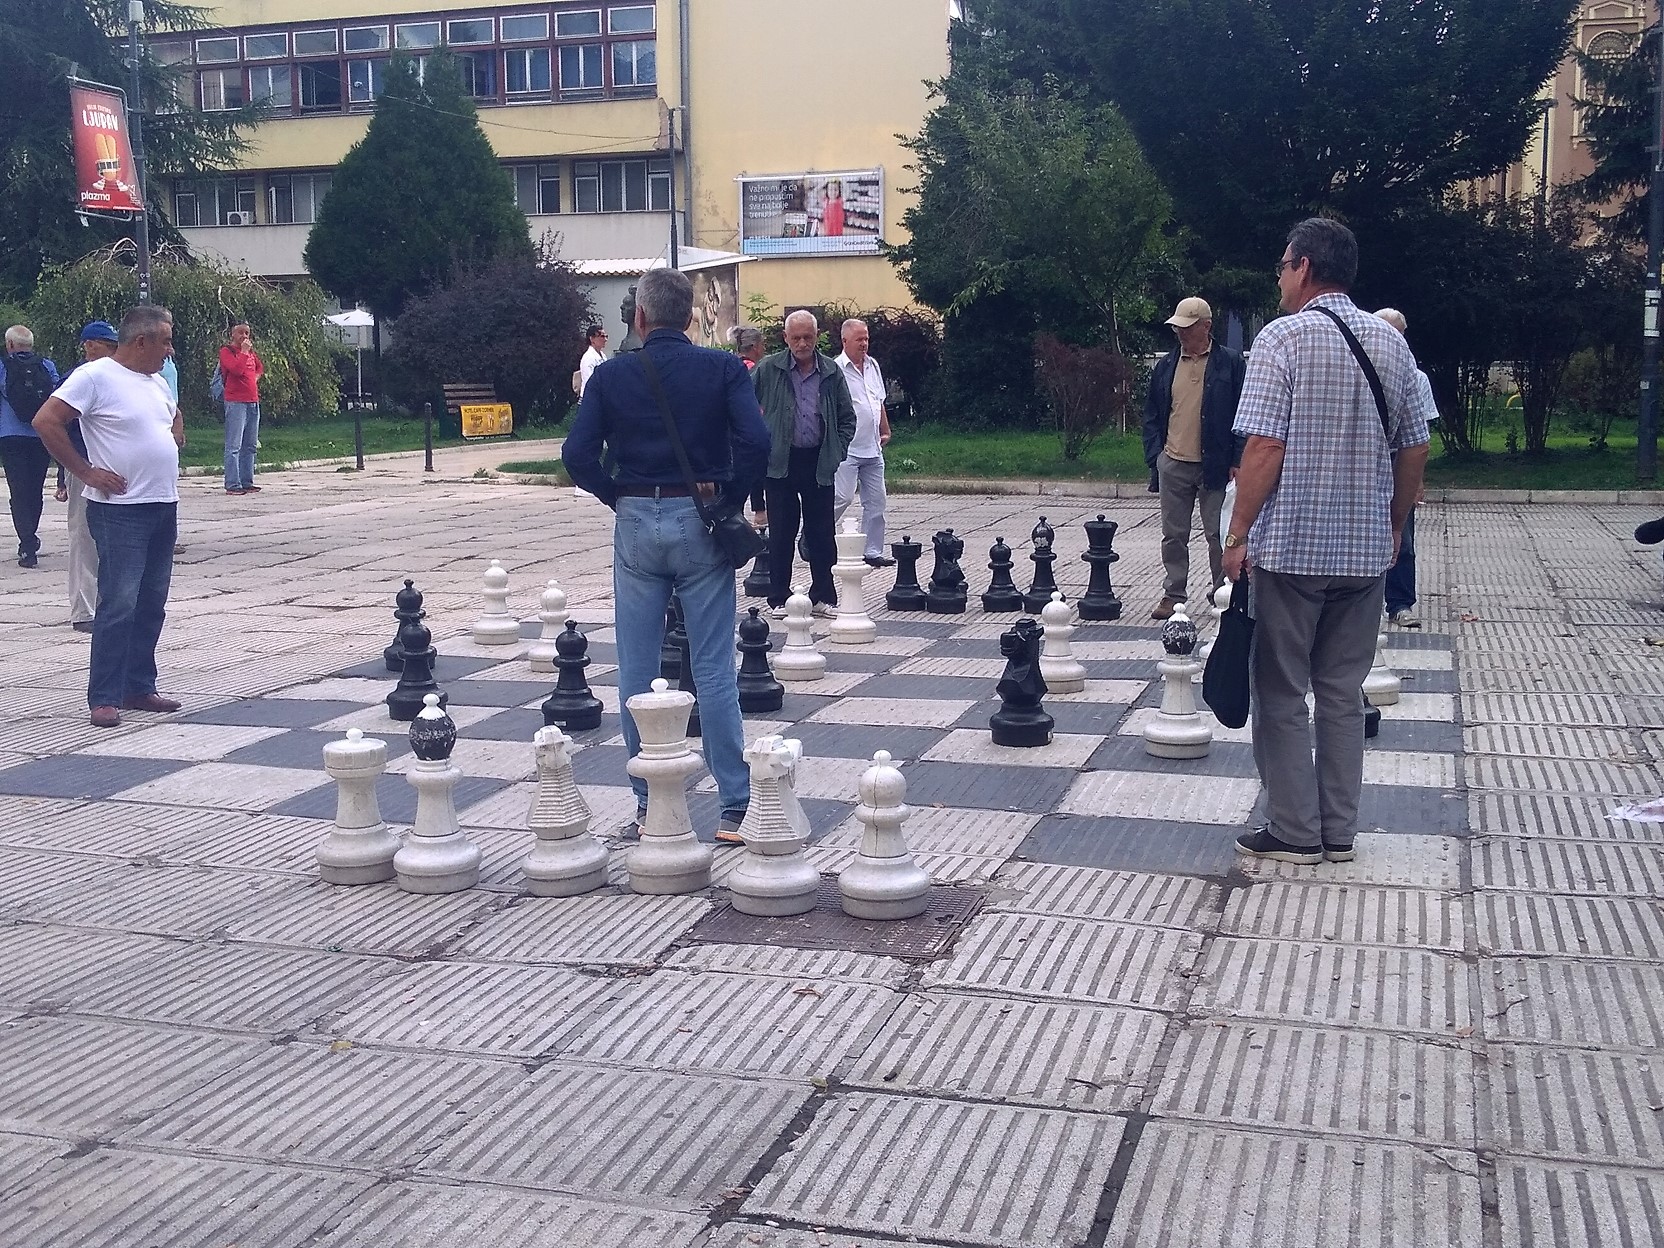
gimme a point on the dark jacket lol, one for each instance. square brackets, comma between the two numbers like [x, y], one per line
[714, 406]
[1221, 388]
[779, 403]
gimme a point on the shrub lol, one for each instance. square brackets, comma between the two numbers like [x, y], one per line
[1089, 390]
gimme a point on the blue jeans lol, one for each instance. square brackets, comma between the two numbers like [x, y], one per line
[1401, 577]
[660, 546]
[242, 431]
[135, 568]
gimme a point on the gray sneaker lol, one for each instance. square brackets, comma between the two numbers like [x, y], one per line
[632, 831]
[728, 828]
[823, 611]
[1404, 618]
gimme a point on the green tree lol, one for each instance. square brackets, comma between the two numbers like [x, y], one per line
[1618, 120]
[41, 43]
[419, 197]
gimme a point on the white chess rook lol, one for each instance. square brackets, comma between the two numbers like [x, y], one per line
[552, 614]
[360, 848]
[798, 660]
[1178, 729]
[437, 857]
[1059, 668]
[852, 625]
[669, 858]
[496, 627]
[883, 882]
[565, 860]
[775, 877]
[1382, 686]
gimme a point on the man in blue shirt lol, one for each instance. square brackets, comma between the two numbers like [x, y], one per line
[27, 382]
[660, 545]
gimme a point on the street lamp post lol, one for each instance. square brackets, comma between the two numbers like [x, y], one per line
[1646, 426]
[135, 129]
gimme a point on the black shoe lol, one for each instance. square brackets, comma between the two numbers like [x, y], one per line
[1651, 533]
[880, 561]
[28, 559]
[1333, 852]
[82, 626]
[1261, 844]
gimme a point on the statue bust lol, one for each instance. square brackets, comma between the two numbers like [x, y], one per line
[627, 310]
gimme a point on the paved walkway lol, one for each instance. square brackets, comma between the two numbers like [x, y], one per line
[1116, 1034]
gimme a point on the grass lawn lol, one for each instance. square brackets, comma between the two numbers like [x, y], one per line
[321, 439]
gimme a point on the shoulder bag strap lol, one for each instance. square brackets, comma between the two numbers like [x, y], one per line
[1364, 362]
[675, 434]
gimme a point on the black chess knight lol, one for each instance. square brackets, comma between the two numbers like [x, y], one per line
[948, 592]
[1022, 720]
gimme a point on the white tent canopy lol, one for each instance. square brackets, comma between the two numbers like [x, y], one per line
[358, 322]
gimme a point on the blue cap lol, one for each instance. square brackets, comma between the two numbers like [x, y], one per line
[99, 331]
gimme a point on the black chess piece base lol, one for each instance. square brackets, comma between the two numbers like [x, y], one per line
[1372, 721]
[943, 603]
[1089, 608]
[579, 713]
[1021, 729]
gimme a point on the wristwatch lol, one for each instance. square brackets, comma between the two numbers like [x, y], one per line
[1232, 540]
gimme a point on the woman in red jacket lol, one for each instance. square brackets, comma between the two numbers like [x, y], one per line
[242, 369]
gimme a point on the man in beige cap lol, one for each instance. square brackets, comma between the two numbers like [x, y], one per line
[1188, 443]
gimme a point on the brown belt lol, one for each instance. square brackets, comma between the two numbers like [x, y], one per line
[653, 491]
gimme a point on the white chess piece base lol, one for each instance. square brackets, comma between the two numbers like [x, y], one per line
[1177, 730]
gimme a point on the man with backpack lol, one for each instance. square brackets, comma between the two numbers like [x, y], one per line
[29, 381]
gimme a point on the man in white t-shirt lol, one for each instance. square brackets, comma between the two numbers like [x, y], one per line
[863, 465]
[131, 469]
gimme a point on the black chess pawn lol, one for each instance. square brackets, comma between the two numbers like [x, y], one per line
[572, 706]
[407, 606]
[1099, 601]
[686, 683]
[757, 582]
[415, 670]
[947, 593]
[1003, 594]
[760, 692]
[907, 594]
[1022, 720]
[675, 633]
[1043, 556]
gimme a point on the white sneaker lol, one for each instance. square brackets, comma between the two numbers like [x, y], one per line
[821, 611]
[1405, 618]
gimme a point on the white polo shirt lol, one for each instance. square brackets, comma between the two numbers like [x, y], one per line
[866, 392]
[127, 421]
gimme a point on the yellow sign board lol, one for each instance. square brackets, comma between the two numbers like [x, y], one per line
[487, 420]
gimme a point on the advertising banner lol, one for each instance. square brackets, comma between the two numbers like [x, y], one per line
[106, 179]
[820, 214]
[486, 420]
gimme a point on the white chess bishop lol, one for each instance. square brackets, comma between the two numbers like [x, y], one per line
[669, 858]
[852, 625]
[566, 860]
[798, 660]
[552, 615]
[496, 627]
[775, 877]
[883, 882]
[1059, 668]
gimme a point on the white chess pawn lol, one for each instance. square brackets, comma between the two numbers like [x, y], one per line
[437, 857]
[775, 877]
[552, 614]
[1221, 603]
[883, 882]
[669, 858]
[852, 625]
[1382, 686]
[1178, 730]
[566, 860]
[360, 848]
[1059, 668]
[496, 627]
[798, 660]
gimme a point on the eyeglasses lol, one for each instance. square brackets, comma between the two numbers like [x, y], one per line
[1284, 264]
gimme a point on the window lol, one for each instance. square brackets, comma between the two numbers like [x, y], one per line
[580, 67]
[365, 80]
[479, 74]
[630, 21]
[211, 51]
[469, 30]
[519, 29]
[317, 43]
[366, 38]
[170, 52]
[271, 85]
[621, 185]
[417, 35]
[536, 188]
[1610, 45]
[586, 186]
[320, 86]
[526, 70]
[293, 198]
[265, 47]
[573, 25]
[172, 56]
[211, 201]
[634, 64]
[222, 90]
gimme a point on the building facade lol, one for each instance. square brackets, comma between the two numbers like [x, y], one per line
[772, 127]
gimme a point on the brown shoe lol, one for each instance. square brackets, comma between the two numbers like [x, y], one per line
[105, 717]
[1163, 610]
[151, 702]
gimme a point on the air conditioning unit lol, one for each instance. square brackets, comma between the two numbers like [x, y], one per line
[239, 218]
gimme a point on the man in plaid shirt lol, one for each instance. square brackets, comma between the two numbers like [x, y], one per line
[1324, 489]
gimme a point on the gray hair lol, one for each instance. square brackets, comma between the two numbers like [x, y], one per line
[850, 324]
[1331, 248]
[745, 338]
[20, 337]
[801, 315]
[142, 321]
[1395, 318]
[665, 297]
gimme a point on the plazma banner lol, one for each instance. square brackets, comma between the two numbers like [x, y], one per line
[106, 179]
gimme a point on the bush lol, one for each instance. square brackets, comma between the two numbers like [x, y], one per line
[1089, 390]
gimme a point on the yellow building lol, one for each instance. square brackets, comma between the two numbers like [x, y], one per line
[790, 108]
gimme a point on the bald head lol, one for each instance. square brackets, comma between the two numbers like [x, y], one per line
[1395, 318]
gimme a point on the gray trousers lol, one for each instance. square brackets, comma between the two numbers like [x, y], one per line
[869, 473]
[1181, 489]
[83, 555]
[1317, 632]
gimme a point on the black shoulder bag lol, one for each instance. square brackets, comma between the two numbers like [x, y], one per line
[1370, 375]
[738, 541]
[1225, 682]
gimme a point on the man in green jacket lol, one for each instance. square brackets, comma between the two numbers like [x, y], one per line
[811, 423]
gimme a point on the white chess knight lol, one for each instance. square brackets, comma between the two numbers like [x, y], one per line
[852, 625]
[552, 614]
[436, 857]
[883, 882]
[669, 858]
[566, 860]
[496, 627]
[1221, 603]
[1178, 729]
[1059, 668]
[1382, 686]
[798, 660]
[775, 877]
[360, 848]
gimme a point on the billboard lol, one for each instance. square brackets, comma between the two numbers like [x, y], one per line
[813, 214]
[106, 178]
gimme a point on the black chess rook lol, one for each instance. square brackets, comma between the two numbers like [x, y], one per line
[1003, 594]
[907, 595]
[1099, 601]
[572, 706]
